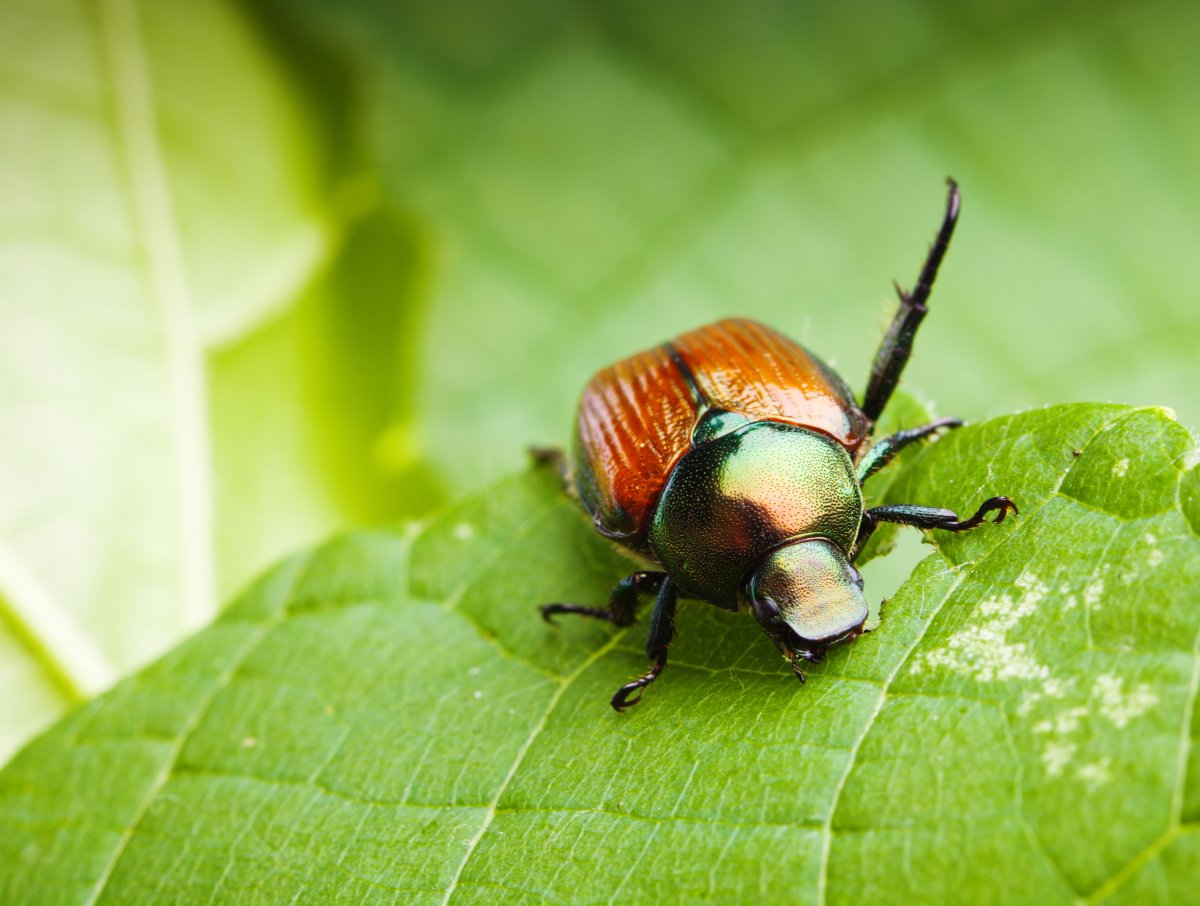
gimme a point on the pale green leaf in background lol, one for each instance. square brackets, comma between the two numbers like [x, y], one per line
[169, 197]
[388, 720]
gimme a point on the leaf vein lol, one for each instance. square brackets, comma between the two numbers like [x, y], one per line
[490, 814]
[204, 705]
[827, 826]
[185, 385]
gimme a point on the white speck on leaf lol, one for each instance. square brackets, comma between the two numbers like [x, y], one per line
[1096, 773]
[982, 650]
[249, 742]
[479, 693]
[1108, 699]
[464, 531]
[1035, 589]
[1118, 706]
[1057, 755]
[1120, 468]
[1064, 723]
[1028, 700]
[1091, 594]
[1056, 687]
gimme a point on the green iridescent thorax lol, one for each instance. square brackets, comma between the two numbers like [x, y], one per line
[735, 497]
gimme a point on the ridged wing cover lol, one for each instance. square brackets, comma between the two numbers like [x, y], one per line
[636, 417]
[635, 422]
[747, 367]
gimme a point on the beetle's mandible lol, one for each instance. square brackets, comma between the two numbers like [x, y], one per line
[733, 459]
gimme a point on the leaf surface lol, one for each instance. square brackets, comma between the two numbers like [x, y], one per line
[386, 719]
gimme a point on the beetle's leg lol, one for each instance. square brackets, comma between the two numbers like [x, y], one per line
[812, 655]
[898, 341]
[865, 529]
[928, 517]
[885, 451]
[662, 630]
[553, 458]
[622, 604]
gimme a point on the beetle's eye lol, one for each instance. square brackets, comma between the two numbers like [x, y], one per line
[766, 611]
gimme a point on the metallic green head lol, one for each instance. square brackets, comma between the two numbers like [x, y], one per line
[807, 597]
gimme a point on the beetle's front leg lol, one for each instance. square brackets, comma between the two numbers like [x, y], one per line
[622, 604]
[885, 450]
[662, 630]
[928, 517]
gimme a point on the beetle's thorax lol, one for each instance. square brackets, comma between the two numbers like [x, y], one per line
[735, 497]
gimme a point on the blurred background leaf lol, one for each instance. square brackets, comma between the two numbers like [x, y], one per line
[193, 376]
[405, 234]
[597, 177]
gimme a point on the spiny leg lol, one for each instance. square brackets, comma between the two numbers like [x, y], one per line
[928, 517]
[622, 603]
[898, 341]
[662, 630]
[884, 451]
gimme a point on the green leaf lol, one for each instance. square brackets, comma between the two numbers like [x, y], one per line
[599, 178]
[387, 718]
[172, 265]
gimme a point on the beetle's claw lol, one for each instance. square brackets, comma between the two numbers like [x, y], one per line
[1002, 506]
[621, 700]
[548, 611]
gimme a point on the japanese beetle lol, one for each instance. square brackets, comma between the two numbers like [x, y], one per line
[733, 459]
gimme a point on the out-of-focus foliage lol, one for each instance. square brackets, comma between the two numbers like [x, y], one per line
[199, 352]
[386, 720]
[597, 177]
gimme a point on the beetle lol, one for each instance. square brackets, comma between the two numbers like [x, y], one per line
[733, 460]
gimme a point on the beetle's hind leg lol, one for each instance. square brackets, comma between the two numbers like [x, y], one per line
[898, 341]
[928, 517]
[622, 604]
[662, 630]
[553, 458]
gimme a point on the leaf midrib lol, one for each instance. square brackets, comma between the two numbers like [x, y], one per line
[44, 626]
[155, 219]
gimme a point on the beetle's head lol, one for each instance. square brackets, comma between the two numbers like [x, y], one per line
[807, 597]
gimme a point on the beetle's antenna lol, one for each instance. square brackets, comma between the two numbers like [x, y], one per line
[898, 341]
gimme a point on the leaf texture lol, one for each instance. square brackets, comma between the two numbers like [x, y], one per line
[386, 719]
